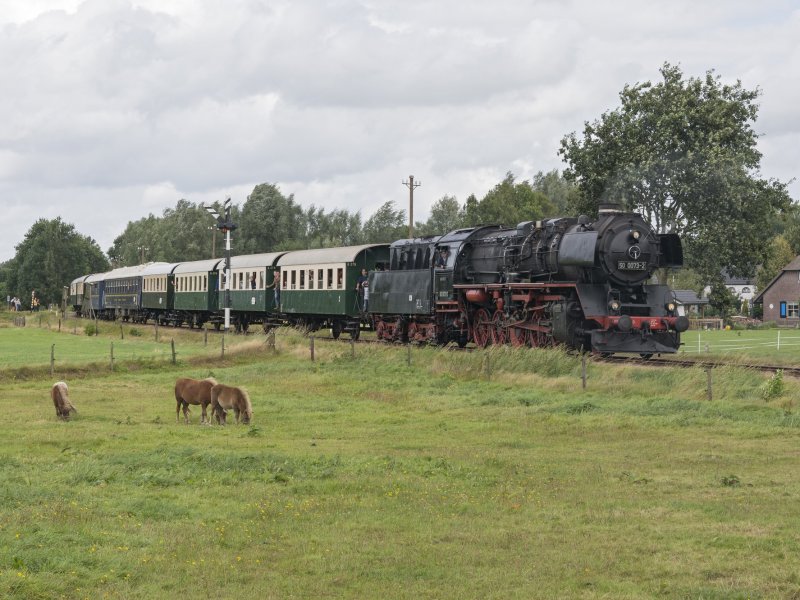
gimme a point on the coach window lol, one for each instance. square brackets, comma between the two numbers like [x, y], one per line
[302, 279]
[319, 278]
[330, 279]
[285, 285]
[294, 279]
[310, 279]
[261, 280]
[339, 279]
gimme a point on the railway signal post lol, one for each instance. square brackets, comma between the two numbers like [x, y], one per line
[224, 224]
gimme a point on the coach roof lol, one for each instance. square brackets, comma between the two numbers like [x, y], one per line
[326, 255]
[254, 260]
[157, 268]
[199, 266]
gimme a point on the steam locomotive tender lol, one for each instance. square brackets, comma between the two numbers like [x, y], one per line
[560, 281]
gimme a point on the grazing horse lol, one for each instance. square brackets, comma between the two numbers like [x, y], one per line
[193, 391]
[226, 396]
[59, 394]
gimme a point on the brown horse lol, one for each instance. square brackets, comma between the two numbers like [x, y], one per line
[193, 391]
[59, 394]
[226, 396]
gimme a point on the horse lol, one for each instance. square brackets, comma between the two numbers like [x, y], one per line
[227, 396]
[60, 395]
[193, 391]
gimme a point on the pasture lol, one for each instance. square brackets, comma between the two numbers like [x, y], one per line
[488, 474]
[768, 346]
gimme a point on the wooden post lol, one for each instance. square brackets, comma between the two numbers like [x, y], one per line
[112, 356]
[408, 354]
[488, 366]
[272, 340]
[223, 345]
[96, 331]
[121, 332]
[311, 343]
[205, 335]
[708, 383]
[583, 370]
[156, 328]
[52, 359]
[172, 344]
[40, 326]
[59, 324]
[352, 348]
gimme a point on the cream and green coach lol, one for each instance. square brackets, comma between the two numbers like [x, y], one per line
[318, 287]
[196, 293]
[252, 290]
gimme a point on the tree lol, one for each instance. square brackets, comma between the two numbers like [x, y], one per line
[446, 215]
[562, 193]
[778, 255]
[508, 203]
[386, 225]
[270, 222]
[683, 153]
[50, 256]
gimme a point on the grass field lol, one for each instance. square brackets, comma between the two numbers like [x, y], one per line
[489, 474]
[773, 346]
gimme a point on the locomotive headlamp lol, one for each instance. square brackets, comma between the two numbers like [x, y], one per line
[636, 235]
[614, 305]
[670, 306]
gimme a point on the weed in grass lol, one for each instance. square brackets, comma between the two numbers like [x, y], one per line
[774, 386]
[730, 481]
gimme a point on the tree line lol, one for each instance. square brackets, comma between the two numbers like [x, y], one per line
[681, 151]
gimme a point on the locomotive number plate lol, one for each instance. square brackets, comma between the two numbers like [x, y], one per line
[632, 265]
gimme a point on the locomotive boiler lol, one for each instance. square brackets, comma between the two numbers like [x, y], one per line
[573, 281]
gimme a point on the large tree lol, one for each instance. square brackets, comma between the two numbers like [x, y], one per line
[683, 153]
[446, 215]
[50, 256]
[270, 221]
[508, 203]
[386, 225]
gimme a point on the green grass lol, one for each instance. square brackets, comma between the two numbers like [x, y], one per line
[754, 345]
[466, 475]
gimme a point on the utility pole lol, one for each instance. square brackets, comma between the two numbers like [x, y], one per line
[225, 224]
[411, 184]
[142, 250]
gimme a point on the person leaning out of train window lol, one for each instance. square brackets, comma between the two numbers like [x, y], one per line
[362, 279]
[441, 258]
[253, 281]
[276, 284]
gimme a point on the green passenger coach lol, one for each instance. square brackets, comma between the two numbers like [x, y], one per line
[197, 286]
[318, 287]
[158, 290]
[252, 289]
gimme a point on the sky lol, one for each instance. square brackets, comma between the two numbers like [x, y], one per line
[116, 109]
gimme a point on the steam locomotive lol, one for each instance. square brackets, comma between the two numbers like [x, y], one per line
[570, 281]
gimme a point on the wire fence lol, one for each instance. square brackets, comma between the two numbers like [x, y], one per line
[776, 342]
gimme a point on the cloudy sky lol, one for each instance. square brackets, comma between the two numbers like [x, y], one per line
[114, 109]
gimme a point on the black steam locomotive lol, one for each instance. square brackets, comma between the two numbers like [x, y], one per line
[568, 281]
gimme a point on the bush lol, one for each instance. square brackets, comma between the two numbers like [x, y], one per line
[90, 329]
[134, 332]
[774, 387]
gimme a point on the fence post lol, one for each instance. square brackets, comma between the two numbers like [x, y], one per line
[156, 327]
[52, 359]
[408, 354]
[311, 344]
[708, 383]
[223, 345]
[352, 348]
[487, 366]
[272, 340]
[583, 369]
[59, 324]
[172, 344]
[112, 356]
[205, 334]
[121, 332]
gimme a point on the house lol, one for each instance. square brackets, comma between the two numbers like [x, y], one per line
[742, 287]
[688, 303]
[781, 296]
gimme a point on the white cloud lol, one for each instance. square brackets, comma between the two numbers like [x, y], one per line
[118, 108]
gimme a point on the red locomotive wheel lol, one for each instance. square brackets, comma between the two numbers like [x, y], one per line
[498, 329]
[482, 329]
[517, 336]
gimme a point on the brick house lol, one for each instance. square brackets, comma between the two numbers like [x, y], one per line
[781, 296]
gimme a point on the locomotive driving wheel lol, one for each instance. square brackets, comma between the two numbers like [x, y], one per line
[517, 336]
[498, 328]
[482, 329]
